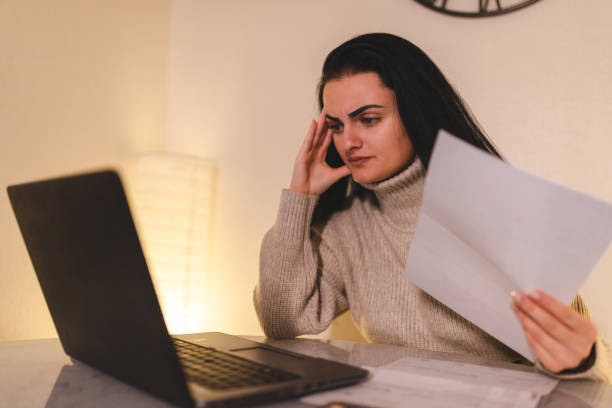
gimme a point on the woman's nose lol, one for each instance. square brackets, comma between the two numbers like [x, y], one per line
[352, 139]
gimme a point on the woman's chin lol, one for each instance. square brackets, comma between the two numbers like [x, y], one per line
[363, 177]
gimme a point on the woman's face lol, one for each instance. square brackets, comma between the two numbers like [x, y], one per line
[366, 126]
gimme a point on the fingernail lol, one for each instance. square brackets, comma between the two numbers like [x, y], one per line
[516, 297]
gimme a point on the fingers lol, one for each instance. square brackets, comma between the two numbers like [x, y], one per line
[550, 323]
[315, 135]
[559, 320]
[341, 172]
[311, 174]
[326, 141]
[553, 354]
[309, 139]
[321, 131]
[559, 336]
[542, 354]
[565, 314]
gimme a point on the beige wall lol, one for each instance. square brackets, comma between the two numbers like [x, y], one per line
[86, 84]
[242, 78]
[82, 84]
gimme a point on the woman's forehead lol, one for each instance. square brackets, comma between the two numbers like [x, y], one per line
[348, 93]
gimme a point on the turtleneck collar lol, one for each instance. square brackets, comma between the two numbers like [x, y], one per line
[401, 195]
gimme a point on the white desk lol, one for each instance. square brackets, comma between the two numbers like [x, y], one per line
[37, 373]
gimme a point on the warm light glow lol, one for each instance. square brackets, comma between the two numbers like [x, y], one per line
[173, 197]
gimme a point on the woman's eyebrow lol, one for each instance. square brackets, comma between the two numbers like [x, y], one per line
[333, 119]
[359, 110]
[354, 113]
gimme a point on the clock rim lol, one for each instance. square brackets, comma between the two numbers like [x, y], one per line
[429, 5]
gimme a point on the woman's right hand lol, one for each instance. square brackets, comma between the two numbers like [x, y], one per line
[311, 174]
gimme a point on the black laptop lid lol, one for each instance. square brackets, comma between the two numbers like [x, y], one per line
[85, 251]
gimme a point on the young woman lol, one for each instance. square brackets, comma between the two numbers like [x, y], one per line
[345, 224]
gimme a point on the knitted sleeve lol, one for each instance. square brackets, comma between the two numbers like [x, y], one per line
[300, 288]
[599, 364]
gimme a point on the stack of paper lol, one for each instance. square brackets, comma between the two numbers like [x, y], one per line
[428, 383]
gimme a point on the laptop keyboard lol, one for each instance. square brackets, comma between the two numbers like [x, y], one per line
[218, 370]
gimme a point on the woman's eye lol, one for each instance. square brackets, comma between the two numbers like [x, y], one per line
[335, 127]
[369, 120]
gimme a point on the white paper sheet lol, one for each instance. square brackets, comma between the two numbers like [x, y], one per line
[487, 228]
[515, 379]
[391, 388]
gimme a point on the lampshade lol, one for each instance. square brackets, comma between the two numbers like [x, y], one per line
[173, 201]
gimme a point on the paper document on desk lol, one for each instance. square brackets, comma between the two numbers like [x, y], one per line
[390, 388]
[519, 378]
[487, 228]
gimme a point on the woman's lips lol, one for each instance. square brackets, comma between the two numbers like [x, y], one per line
[359, 160]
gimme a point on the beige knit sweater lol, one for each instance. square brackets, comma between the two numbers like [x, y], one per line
[310, 274]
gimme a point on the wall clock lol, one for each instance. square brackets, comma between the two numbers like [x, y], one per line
[476, 8]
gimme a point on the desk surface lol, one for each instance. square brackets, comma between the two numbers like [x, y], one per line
[37, 373]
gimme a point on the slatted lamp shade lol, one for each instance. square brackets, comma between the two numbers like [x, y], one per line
[173, 199]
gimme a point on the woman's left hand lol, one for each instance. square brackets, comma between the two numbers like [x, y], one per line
[559, 336]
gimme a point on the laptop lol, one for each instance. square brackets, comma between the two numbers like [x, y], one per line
[84, 247]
